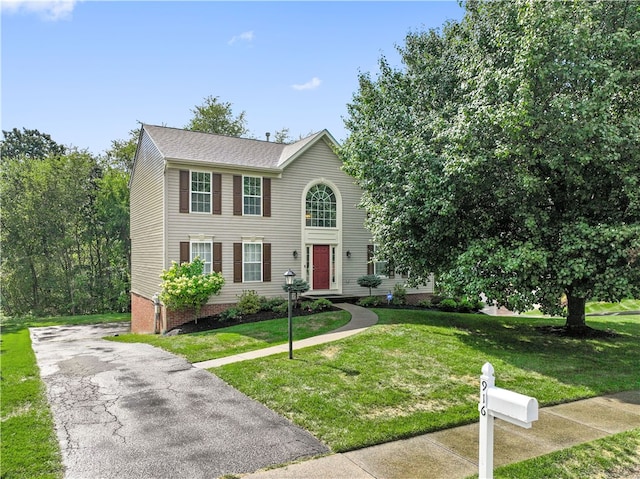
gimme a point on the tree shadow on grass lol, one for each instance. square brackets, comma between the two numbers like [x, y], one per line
[605, 364]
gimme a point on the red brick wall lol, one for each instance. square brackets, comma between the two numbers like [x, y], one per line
[142, 315]
[175, 318]
[416, 298]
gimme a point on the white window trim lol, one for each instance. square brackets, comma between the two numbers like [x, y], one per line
[191, 192]
[252, 196]
[200, 240]
[252, 241]
[375, 264]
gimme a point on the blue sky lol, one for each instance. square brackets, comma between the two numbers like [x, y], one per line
[86, 72]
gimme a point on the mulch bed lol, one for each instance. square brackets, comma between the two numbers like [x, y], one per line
[214, 322]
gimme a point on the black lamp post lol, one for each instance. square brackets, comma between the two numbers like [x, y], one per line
[288, 280]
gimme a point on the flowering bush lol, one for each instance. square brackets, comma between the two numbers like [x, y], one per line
[184, 286]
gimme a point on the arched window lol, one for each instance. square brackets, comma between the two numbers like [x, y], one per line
[321, 207]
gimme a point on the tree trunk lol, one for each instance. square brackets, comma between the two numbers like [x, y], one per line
[576, 317]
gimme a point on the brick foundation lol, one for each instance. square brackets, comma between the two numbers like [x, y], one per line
[172, 319]
[143, 315]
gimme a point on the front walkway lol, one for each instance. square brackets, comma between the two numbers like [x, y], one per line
[361, 319]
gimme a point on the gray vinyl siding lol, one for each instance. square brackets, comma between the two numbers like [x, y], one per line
[283, 230]
[147, 214]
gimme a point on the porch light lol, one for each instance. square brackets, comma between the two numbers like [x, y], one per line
[348, 254]
[295, 255]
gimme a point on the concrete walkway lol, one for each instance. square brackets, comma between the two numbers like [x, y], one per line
[453, 453]
[361, 319]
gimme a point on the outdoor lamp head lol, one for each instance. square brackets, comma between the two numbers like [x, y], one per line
[288, 277]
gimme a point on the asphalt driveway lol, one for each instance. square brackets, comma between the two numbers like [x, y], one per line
[135, 411]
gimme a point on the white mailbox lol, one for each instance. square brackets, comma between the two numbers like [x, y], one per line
[504, 404]
[511, 406]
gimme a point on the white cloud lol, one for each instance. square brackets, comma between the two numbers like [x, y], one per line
[310, 85]
[243, 37]
[50, 10]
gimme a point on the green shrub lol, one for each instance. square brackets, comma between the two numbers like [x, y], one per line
[272, 303]
[465, 306]
[318, 305]
[185, 286]
[435, 300]
[478, 305]
[369, 281]
[281, 308]
[448, 305]
[249, 302]
[425, 303]
[370, 301]
[399, 295]
[230, 314]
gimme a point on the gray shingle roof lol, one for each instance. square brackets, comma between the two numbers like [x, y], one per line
[177, 144]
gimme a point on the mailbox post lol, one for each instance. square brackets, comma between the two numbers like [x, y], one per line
[504, 404]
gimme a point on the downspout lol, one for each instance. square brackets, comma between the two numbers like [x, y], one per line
[156, 307]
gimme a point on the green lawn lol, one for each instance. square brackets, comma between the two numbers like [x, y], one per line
[29, 444]
[417, 371]
[241, 338]
[414, 372]
[612, 456]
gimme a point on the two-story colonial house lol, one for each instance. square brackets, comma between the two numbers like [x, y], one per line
[251, 210]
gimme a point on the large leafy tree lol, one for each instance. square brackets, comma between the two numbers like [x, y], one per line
[504, 154]
[214, 116]
[29, 144]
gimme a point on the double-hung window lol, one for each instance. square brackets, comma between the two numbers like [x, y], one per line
[252, 195]
[252, 262]
[379, 268]
[200, 192]
[202, 250]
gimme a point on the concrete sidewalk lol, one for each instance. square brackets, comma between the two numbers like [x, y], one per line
[361, 319]
[453, 453]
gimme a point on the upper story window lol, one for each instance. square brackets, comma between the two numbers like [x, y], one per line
[252, 195]
[200, 192]
[321, 207]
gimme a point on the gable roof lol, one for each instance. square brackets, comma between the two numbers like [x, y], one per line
[185, 145]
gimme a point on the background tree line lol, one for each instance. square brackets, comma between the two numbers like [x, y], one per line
[65, 218]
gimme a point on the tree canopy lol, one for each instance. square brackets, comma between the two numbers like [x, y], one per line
[503, 155]
[217, 117]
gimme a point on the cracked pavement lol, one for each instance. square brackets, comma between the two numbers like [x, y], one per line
[135, 411]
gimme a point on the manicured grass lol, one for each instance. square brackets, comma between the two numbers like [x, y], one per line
[596, 307]
[241, 338]
[418, 371]
[612, 456]
[29, 444]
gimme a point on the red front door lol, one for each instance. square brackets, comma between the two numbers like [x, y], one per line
[320, 266]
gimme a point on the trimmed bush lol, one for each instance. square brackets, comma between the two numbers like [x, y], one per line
[230, 314]
[249, 302]
[425, 303]
[281, 308]
[369, 281]
[369, 301]
[273, 303]
[448, 304]
[318, 305]
[399, 295]
[465, 306]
